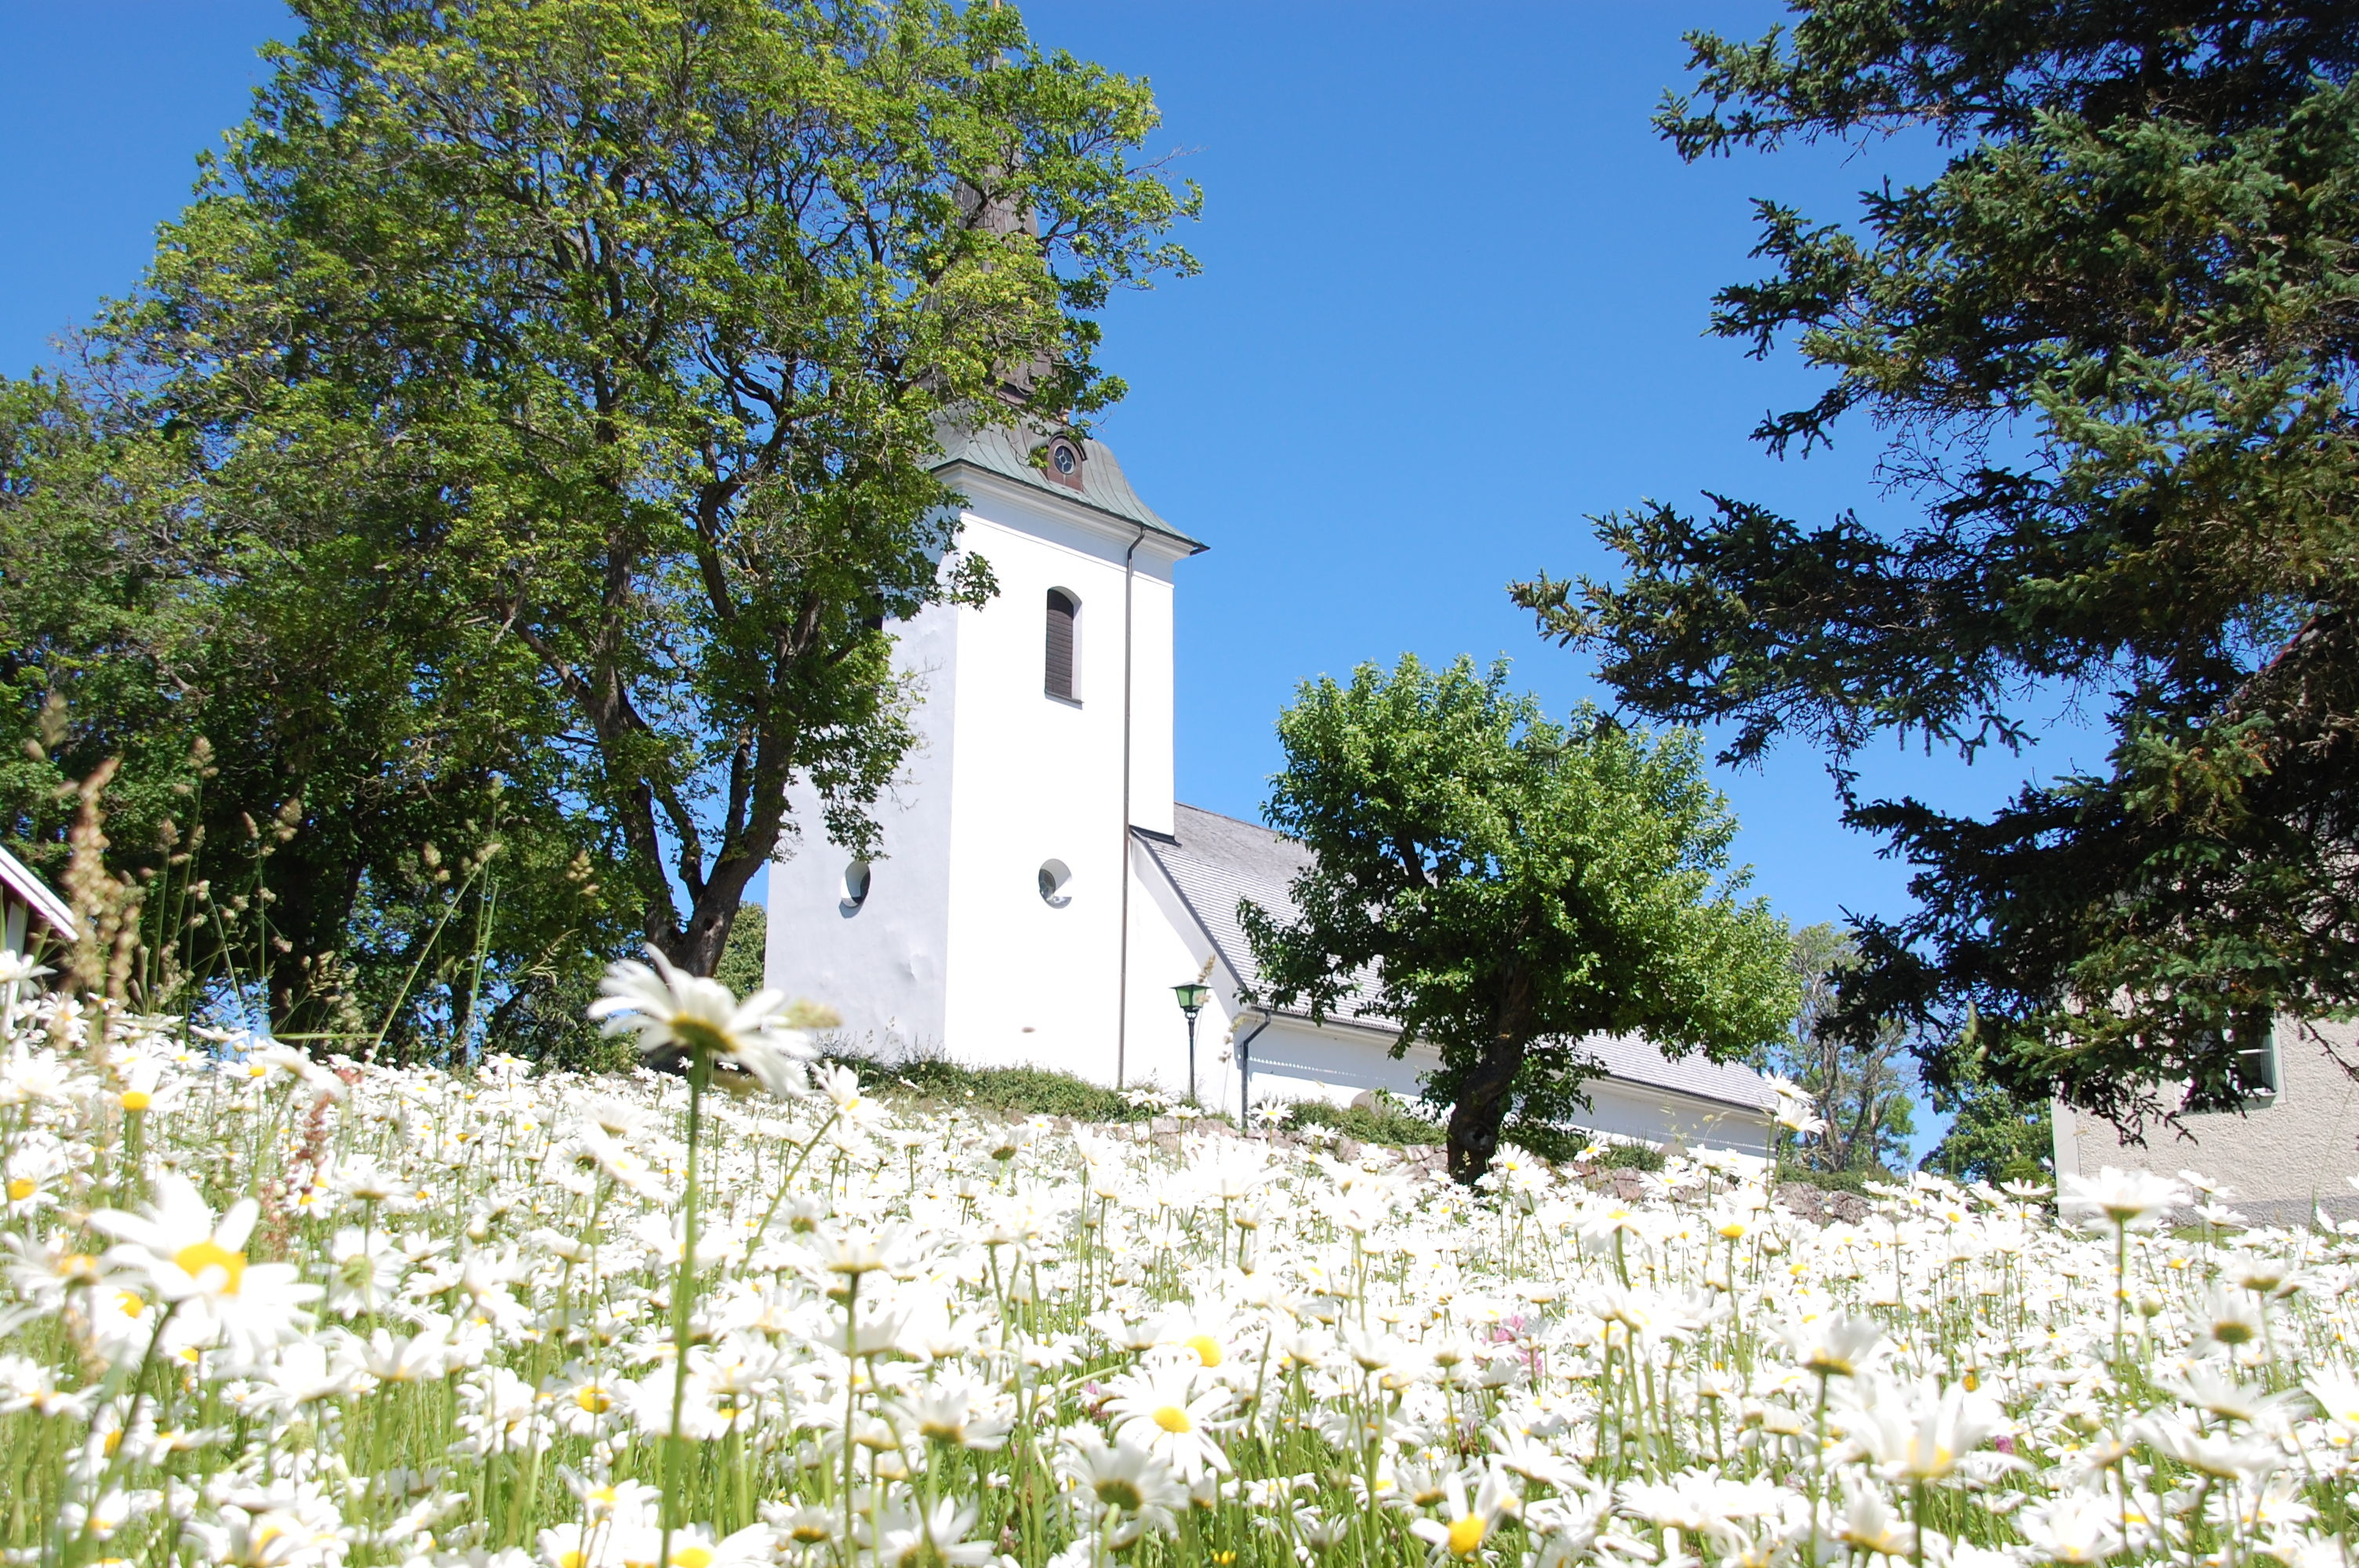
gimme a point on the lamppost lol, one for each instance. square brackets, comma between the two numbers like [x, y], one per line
[1192, 996]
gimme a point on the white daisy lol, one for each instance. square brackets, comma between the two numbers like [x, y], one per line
[675, 1014]
[188, 1259]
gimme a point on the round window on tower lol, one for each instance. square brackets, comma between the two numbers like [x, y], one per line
[1065, 462]
[1056, 884]
[855, 886]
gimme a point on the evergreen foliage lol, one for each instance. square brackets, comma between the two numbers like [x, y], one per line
[744, 962]
[2111, 346]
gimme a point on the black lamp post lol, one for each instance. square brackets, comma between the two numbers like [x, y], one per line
[1192, 996]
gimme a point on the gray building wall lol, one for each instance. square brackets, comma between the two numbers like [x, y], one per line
[2286, 1155]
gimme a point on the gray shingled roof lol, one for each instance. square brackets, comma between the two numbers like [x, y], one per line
[1214, 862]
[1008, 451]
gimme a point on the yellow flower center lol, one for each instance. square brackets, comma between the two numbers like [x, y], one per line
[1207, 1349]
[137, 1099]
[1171, 1418]
[594, 1398]
[211, 1254]
[1465, 1535]
[573, 1560]
[693, 1557]
[256, 1070]
[20, 1188]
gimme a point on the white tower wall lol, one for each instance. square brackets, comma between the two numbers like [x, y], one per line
[954, 949]
[881, 965]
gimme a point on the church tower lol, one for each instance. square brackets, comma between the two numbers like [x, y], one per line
[1000, 923]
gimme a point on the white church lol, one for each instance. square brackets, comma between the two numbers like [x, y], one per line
[1044, 894]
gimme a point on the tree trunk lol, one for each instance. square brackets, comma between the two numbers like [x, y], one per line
[1482, 1109]
[698, 948]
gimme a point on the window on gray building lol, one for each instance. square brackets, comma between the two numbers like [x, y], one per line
[2259, 1065]
[1063, 609]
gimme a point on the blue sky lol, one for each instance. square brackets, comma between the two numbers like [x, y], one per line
[1452, 302]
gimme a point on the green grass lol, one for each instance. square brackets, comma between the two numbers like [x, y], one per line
[1014, 1091]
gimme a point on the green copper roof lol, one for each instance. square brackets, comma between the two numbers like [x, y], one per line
[1014, 452]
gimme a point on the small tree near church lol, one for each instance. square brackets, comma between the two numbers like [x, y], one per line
[1503, 887]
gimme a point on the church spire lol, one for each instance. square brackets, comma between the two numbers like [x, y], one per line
[999, 213]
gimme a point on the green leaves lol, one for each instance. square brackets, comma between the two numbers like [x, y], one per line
[1502, 887]
[1854, 1081]
[603, 351]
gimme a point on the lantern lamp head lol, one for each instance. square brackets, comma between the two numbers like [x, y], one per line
[1192, 996]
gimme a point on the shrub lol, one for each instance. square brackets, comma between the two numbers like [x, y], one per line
[1853, 1181]
[1389, 1123]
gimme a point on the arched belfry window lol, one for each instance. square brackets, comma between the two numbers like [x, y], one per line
[1058, 679]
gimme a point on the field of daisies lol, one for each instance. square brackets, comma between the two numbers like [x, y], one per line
[268, 1311]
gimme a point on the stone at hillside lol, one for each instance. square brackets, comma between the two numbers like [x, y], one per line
[1820, 1205]
[1364, 1100]
[1347, 1150]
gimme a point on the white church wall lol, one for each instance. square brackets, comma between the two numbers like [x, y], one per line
[1167, 948]
[1038, 780]
[955, 951]
[881, 965]
[1294, 1061]
[1153, 674]
[1621, 1109]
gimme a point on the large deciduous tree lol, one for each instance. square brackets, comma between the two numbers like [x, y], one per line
[2111, 345]
[618, 336]
[1857, 1082]
[1994, 1136]
[370, 745]
[1502, 888]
